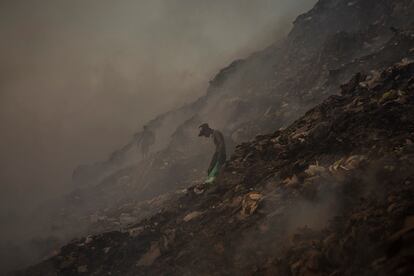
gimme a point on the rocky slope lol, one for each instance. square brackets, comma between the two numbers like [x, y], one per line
[260, 94]
[264, 92]
[330, 195]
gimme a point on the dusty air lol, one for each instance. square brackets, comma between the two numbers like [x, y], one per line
[237, 137]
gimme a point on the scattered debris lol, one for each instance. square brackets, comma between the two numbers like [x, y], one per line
[192, 216]
[360, 139]
[83, 269]
[133, 232]
[250, 203]
[148, 258]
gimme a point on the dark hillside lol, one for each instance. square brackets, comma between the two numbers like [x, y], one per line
[264, 92]
[330, 195]
[332, 185]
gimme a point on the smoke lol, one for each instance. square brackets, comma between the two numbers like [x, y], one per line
[78, 78]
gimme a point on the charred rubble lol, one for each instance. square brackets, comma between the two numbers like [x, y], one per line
[329, 195]
[266, 91]
[348, 159]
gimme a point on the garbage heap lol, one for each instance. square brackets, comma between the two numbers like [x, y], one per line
[332, 194]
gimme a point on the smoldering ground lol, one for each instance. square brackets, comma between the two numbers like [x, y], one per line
[78, 78]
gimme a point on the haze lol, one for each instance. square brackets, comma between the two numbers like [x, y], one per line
[78, 78]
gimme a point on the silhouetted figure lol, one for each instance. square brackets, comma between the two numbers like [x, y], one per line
[145, 140]
[219, 157]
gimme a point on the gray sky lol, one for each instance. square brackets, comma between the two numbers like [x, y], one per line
[78, 77]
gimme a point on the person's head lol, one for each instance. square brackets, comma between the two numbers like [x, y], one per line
[205, 130]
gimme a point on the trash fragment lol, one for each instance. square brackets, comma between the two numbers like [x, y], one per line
[148, 258]
[346, 164]
[291, 182]
[192, 216]
[314, 170]
[133, 232]
[88, 239]
[250, 203]
[199, 189]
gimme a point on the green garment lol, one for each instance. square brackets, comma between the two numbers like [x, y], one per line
[212, 175]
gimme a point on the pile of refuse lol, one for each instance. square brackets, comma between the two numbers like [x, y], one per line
[326, 46]
[307, 161]
[332, 194]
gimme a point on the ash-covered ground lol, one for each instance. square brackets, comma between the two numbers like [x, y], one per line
[328, 192]
[330, 195]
